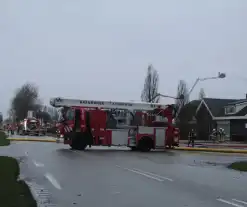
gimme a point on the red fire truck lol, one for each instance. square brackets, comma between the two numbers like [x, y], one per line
[89, 122]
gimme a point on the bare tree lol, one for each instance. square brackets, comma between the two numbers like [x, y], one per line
[182, 90]
[25, 99]
[151, 84]
[202, 94]
[1, 117]
[11, 114]
[45, 116]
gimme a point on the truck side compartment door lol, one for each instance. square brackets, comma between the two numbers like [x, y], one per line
[160, 134]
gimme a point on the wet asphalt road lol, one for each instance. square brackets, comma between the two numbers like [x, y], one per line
[117, 177]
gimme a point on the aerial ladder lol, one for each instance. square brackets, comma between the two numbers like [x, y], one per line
[131, 106]
[78, 129]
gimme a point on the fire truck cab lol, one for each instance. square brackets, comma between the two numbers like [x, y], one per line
[88, 122]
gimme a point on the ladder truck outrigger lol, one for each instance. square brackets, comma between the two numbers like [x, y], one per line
[86, 123]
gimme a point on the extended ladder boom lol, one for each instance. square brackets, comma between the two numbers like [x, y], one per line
[61, 102]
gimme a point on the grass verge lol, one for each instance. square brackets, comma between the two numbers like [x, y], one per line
[13, 192]
[3, 139]
[240, 166]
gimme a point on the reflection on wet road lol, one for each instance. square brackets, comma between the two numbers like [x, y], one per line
[118, 177]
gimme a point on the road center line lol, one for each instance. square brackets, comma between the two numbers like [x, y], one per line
[53, 181]
[38, 164]
[143, 174]
[152, 174]
[243, 202]
[229, 202]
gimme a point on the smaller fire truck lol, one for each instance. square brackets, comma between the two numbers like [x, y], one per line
[86, 122]
[31, 126]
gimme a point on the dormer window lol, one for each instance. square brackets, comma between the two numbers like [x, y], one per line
[230, 110]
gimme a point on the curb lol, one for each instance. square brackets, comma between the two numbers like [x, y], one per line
[32, 140]
[226, 146]
[212, 150]
[229, 145]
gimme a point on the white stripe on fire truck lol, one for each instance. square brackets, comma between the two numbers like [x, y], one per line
[67, 128]
[101, 129]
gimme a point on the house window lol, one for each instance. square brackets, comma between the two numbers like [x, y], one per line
[230, 110]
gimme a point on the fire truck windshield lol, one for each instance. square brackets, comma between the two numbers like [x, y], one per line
[70, 114]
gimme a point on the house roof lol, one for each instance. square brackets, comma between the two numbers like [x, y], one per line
[216, 106]
[237, 102]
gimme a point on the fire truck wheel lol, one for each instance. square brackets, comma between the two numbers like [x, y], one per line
[145, 144]
[78, 142]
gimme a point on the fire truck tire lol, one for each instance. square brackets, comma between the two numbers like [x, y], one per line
[78, 141]
[145, 144]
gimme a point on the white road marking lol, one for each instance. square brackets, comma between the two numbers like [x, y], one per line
[152, 174]
[243, 202]
[38, 164]
[26, 153]
[77, 152]
[229, 202]
[143, 174]
[53, 181]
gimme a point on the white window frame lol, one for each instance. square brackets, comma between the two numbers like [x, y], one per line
[230, 109]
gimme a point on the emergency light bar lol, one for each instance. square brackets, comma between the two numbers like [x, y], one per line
[61, 102]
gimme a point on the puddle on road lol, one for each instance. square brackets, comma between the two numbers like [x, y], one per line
[210, 163]
[40, 193]
[21, 160]
[217, 163]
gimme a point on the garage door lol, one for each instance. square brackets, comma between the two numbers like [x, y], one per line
[226, 126]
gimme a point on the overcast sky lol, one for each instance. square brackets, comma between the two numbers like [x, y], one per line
[100, 49]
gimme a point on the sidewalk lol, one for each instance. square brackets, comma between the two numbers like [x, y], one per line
[35, 139]
[210, 144]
